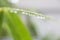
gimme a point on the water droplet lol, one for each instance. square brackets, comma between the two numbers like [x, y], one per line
[17, 9]
[40, 17]
[23, 13]
[26, 13]
[13, 11]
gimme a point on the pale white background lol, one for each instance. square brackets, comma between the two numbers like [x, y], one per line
[47, 7]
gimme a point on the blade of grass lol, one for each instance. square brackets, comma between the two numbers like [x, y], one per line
[18, 29]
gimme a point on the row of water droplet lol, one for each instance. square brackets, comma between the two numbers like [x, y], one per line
[38, 15]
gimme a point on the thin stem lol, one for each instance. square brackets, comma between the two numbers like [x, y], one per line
[15, 10]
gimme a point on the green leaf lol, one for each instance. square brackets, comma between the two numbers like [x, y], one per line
[17, 28]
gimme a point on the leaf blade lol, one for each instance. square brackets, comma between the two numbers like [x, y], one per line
[17, 28]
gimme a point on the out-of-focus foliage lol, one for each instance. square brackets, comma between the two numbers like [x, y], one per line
[31, 27]
[1, 22]
[46, 37]
[5, 3]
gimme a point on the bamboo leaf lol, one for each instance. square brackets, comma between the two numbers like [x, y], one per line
[17, 28]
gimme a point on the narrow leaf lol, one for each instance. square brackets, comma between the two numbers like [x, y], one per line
[18, 29]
